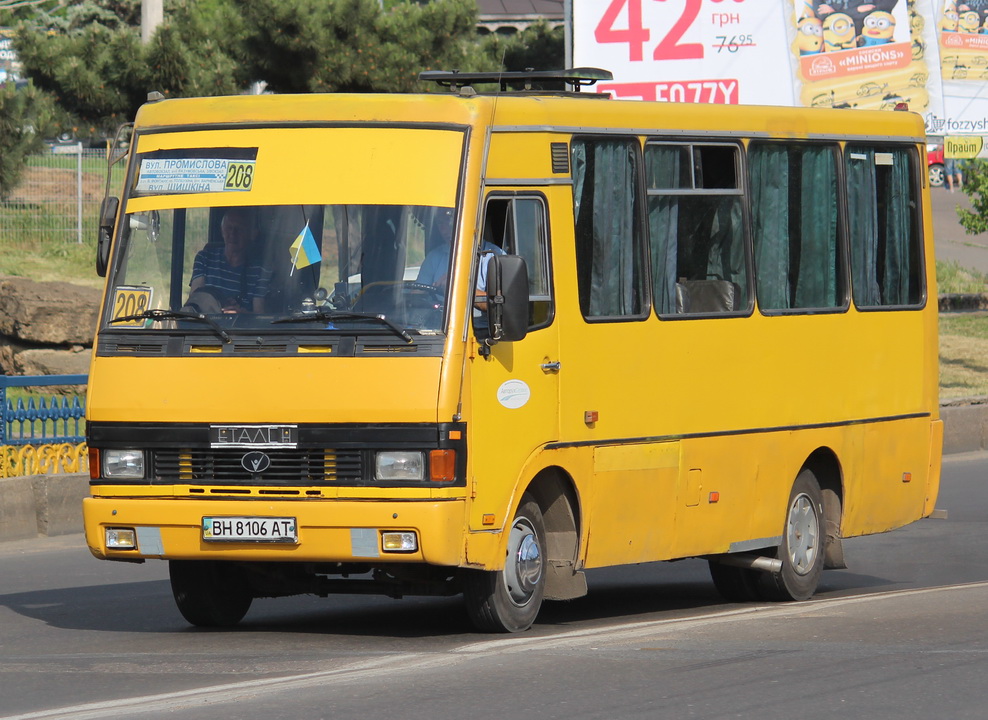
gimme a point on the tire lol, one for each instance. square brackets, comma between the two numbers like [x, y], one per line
[937, 175]
[736, 584]
[209, 593]
[802, 547]
[508, 600]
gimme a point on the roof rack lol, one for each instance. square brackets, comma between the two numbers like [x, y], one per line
[576, 77]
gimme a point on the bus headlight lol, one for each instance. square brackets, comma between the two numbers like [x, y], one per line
[399, 465]
[128, 464]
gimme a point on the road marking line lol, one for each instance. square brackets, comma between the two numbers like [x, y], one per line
[229, 692]
[518, 644]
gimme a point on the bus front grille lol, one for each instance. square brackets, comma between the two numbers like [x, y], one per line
[235, 467]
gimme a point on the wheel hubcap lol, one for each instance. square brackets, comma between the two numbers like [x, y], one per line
[802, 534]
[523, 569]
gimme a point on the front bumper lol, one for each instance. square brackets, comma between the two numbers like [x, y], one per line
[328, 530]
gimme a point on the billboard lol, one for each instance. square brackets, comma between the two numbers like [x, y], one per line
[9, 66]
[868, 54]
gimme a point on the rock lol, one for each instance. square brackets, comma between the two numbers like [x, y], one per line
[51, 362]
[46, 328]
[48, 313]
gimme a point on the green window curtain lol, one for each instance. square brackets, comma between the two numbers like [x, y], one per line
[663, 168]
[605, 201]
[817, 277]
[898, 266]
[769, 170]
[885, 238]
[725, 257]
[862, 210]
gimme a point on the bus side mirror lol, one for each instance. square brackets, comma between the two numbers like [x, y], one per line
[507, 298]
[107, 219]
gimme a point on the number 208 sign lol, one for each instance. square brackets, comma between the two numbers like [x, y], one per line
[699, 51]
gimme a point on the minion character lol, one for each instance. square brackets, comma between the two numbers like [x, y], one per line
[984, 27]
[968, 22]
[878, 28]
[948, 21]
[809, 35]
[838, 33]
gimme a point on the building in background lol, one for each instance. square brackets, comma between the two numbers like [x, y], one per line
[510, 16]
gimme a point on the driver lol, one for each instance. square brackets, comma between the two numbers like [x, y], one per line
[223, 273]
[435, 266]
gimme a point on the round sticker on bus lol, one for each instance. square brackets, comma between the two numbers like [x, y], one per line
[513, 394]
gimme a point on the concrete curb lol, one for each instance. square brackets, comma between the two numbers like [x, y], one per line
[52, 504]
[42, 505]
[965, 425]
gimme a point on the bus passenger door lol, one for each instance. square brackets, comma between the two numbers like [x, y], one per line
[514, 390]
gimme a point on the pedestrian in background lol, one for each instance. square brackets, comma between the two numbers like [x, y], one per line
[952, 168]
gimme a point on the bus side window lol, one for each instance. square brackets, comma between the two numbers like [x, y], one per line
[696, 229]
[796, 226]
[883, 214]
[517, 225]
[610, 257]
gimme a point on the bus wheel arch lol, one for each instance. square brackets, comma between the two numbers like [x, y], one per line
[811, 533]
[509, 599]
[826, 468]
[553, 489]
[541, 552]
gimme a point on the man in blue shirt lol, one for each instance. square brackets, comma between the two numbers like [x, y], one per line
[224, 271]
[435, 266]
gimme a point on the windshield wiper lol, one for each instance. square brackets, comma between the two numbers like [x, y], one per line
[159, 315]
[322, 315]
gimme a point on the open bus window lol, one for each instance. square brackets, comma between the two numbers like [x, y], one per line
[247, 265]
[516, 225]
[696, 229]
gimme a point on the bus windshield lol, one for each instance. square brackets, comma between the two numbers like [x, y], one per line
[269, 267]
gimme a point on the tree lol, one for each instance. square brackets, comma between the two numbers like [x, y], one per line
[538, 47]
[976, 188]
[25, 117]
[352, 45]
[88, 55]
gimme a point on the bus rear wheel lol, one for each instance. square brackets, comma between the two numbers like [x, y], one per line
[508, 600]
[208, 593]
[801, 550]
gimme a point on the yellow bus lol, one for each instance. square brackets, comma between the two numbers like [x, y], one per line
[479, 341]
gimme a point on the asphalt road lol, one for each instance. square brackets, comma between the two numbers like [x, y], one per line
[900, 634]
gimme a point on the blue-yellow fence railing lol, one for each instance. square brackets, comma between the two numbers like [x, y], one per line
[42, 420]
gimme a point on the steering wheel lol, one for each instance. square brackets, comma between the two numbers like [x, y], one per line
[435, 296]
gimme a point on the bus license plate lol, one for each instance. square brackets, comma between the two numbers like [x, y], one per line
[249, 529]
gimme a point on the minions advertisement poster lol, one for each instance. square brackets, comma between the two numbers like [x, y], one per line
[870, 55]
[962, 29]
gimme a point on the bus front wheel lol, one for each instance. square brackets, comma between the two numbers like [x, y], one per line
[801, 550]
[208, 593]
[508, 600]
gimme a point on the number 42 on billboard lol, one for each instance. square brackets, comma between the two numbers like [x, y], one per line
[636, 34]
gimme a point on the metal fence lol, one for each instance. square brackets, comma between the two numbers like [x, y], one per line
[58, 197]
[40, 419]
[42, 434]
